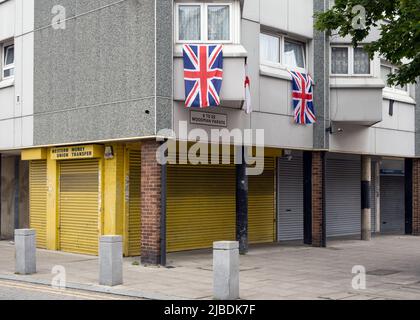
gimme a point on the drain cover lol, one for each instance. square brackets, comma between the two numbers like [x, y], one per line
[382, 272]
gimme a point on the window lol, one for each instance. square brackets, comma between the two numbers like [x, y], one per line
[205, 22]
[281, 50]
[270, 48]
[386, 70]
[8, 61]
[339, 60]
[346, 60]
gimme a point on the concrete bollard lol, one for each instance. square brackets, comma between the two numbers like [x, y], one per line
[110, 260]
[226, 270]
[25, 251]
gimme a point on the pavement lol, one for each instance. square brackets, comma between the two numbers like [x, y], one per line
[276, 271]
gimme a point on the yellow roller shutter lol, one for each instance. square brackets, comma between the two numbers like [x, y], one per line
[261, 205]
[200, 206]
[38, 200]
[134, 204]
[79, 206]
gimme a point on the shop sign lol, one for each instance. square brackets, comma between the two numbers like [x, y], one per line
[76, 152]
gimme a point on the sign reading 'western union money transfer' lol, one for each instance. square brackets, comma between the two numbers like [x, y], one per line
[76, 152]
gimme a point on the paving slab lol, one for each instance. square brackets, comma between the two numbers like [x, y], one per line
[268, 272]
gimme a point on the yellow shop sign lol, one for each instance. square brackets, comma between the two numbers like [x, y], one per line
[77, 152]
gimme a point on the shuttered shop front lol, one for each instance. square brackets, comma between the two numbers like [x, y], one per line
[38, 200]
[201, 205]
[392, 204]
[134, 203]
[262, 205]
[79, 209]
[343, 193]
[290, 206]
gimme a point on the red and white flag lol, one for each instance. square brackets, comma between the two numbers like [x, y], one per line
[248, 103]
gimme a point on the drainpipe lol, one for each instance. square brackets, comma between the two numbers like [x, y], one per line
[242, 203]
[365, 186]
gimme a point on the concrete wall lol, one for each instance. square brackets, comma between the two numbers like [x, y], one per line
[8, 196]
[7, 19]
[16, 95]
[97, 79]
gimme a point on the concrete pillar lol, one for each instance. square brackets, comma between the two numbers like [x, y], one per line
[416, 198]
[319, 238]
[110, 260]
[242, 204]
[226, 270]
[365, 196]
[25, 251]
[151, 187]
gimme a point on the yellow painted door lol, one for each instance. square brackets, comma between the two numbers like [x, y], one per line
[38, 200]
[261, 205]
[200, 206]
[134, 204]
[79, 208]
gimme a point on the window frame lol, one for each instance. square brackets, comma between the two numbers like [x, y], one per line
[5, 67]
[394, 88]
[204, 22]
[282, 39]
[350, 72]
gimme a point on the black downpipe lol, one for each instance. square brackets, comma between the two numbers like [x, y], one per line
[408, 195]
[307, 197]
[242, 204]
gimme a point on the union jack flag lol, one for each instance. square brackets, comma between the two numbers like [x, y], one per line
[203, 74]
[302, 98]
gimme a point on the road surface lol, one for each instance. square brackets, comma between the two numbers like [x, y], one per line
[13, 290]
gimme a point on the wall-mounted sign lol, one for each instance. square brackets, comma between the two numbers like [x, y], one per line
[208, 119]
[77, 152]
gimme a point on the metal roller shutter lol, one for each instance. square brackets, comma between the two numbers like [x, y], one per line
[261, 205]
[134, 204]
[343, 197]
[79, 206]
[38, 201]
[200, 206]
[392, 204]
[290, 206]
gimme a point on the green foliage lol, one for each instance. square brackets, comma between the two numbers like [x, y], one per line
[399, 25]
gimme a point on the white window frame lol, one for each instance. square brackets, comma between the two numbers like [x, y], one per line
[281, 64]
[234, 22]
[3, 46]
[350, 72]
[394, 88]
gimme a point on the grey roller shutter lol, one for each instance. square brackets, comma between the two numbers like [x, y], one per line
[290, 199]
[392, 204]
[343, 197]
